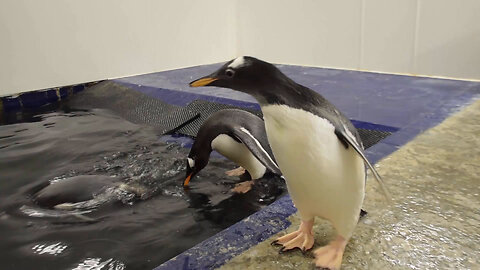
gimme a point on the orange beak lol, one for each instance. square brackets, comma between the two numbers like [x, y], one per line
[187, 180]
[202, 82]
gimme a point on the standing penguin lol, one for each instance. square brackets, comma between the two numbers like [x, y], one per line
[239, 136]
[317, 148]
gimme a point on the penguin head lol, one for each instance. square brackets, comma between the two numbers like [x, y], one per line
[246, 74]
[194, 165]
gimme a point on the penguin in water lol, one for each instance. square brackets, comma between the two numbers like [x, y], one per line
[72, 190]
[83, 191]
[239, 136]
[317, 148]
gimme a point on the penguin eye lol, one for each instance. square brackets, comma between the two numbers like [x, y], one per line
[229, 73]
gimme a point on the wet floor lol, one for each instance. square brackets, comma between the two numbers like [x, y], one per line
[136, 228]
[434, 222]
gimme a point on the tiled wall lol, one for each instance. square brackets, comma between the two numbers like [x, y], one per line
[46, 44]
[52, 43]
[38, 98]
[423, 37]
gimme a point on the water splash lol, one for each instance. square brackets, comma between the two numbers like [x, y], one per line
[52, 249]
[97, 264]
[49, 213]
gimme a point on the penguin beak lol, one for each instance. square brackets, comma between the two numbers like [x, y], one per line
[187, 180]
[203, 81]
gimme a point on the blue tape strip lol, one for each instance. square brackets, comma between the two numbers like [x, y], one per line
[367, 125]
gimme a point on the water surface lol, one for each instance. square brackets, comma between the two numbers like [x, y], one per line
[131, 230]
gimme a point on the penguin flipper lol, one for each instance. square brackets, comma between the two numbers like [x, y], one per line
[256, 148]
[347, 140]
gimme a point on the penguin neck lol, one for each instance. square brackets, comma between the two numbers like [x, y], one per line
[295, 96]
[284, 92]
[201, 149]
[203, 142]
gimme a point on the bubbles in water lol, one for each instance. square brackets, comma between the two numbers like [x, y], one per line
[173, 191]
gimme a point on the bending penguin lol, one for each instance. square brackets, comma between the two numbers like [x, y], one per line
[239, 136]
[317, 148]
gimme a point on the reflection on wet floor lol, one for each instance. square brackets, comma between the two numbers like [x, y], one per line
[434, 222]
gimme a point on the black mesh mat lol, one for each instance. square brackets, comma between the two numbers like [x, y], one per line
[205, 108]
[133, 106]
[370, 137]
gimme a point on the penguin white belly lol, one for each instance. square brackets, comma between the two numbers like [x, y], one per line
[323, 177]
[238, 153]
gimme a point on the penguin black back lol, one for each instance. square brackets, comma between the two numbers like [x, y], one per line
[222, 122]
[241, 126]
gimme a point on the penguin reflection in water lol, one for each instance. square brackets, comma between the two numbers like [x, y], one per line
[239, 136]
[317, 148]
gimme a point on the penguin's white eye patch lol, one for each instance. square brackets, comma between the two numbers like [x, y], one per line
[229, 73]
[191, 162]
[238, 62]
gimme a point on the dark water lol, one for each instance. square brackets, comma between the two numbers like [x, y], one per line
[131, 230]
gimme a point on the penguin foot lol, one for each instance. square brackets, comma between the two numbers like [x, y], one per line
[330, 256]
[243, 187]
[235, 172]
[302, 238]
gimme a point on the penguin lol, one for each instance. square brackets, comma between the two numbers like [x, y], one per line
[72, 190]
[239, 136]
[82, 191]
[318, 150]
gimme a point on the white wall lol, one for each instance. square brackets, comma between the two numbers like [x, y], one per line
[422, 37]
[60, 42]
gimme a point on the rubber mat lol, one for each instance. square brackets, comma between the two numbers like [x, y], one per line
[205, 108]
[133, 106]
[370, 137]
